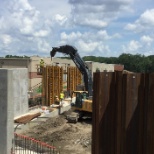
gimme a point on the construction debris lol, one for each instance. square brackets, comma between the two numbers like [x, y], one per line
[27, 118]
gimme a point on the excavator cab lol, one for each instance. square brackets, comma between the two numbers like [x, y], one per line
[78, 98]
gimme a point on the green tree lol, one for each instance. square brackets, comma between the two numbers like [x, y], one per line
[14, 56]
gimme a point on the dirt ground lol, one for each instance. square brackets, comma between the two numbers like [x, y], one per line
[71, 138]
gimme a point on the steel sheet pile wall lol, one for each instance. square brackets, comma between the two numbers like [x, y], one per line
[123, 113]
[52, 83]
[74, 78]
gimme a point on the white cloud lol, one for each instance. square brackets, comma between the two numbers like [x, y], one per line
[95, 27]
[94, 23]
[27, 26]
[132, 47]
[88, 36]
[97, 13]
[2, 23]
[130, 26]
[41, 33]
[6, 39]
[147, 17]
[87, 46]
[22, 17]
[147, 39]
[23, 24]
[73, 36]
[144, 23]
[88, 43]
[20, 5]
[149, 52]
[60, 19]
[43, 46]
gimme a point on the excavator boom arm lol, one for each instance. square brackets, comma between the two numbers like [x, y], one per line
[72, 52]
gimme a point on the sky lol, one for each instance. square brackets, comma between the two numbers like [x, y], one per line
[105, 28]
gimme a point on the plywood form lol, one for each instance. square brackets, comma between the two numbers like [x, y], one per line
[52, 80]
[74, 78]
[52, 83]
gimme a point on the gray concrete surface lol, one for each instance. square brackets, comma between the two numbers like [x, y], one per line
[20, 92]
[6, 111]
[13, 102]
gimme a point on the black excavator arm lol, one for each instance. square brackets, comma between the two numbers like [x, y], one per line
[72, 52]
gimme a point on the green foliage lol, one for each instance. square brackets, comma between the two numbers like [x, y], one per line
[134, 63]
[14, 56]
[110, 60]
[64, 57]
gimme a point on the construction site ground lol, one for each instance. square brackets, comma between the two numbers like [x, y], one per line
[68, 138]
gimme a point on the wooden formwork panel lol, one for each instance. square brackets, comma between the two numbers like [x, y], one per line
[52, 83]
[74, 78]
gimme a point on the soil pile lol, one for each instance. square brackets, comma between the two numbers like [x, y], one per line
[69, 137]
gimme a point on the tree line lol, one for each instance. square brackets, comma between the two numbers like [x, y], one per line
[135, 63]
[14, 56]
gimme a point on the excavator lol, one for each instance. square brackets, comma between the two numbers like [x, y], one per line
[81, 100]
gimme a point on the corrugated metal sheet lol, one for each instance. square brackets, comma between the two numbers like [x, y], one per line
[123, 113]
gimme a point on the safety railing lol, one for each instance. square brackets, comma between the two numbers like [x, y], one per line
[25, 145]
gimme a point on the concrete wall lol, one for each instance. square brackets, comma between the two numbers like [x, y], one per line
[20, 93]
[6, 111]
[107, 67]
[14, 62]
[93, 66]
[13, 102]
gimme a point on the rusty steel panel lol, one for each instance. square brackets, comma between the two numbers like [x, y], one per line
[118, 108]
[149, 119]
[103, 110]
[132, 109]
[123, 113]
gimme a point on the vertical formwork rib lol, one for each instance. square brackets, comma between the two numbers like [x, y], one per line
[73, 78]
